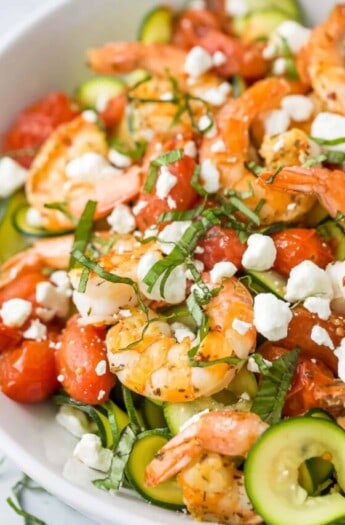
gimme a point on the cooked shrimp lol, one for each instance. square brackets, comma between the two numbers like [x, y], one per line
[158, 366]
[233, 126]
[322, 60]
[213, 488]
[48, 180]
[327, 185]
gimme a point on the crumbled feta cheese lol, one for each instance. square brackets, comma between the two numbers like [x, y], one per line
[219, 58]
[295, 34]
[171, 234]
[90, 166]
[190, 149]
[89, 115]
[119, 159]
[210, 176]
[340, 353]
[125, 313]
[171, 202]
[260, 253]
[221, 270]
[175, 285]
[277, 121]
[253, 367]
[199, 265]
[207, 126]
[271, 316]
[73, 420]
[60, 377]
[139, 207]
[320, 336]
[336, 273]
[101, 395]
[167, 96]
[121, 219]
[61, 279]
[236, 7]
[53, 298]
[241, 327]
[279, 66]
[34, 218]
[319, 306]
[215, 96]
[218, 146]
[151, 231]
[36, 331]
[198, 61]
[165, 182]
[270, 51]
[12, 176]
[101, 367]
[15, 312]
[298, 107]
[329, 126]
[180, 331]
[89, 451]
[307, 279]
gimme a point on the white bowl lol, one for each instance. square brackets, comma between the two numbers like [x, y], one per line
[48, 53]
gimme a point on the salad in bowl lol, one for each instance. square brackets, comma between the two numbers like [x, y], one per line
[173, 262]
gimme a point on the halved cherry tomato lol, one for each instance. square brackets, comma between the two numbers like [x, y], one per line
[9, 337]
[28, 374]
[35, 124]
[82, 348]
[183, 194]
[221, 244]
[23, 286]
[299, 244]
[114, 111]
[310, 374]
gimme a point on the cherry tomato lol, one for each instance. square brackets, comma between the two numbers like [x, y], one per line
[35, 124]
[9, 337]
[82, 349]
[114, 111]
[183, 194]
[310, 374]
[28, 374]
[298, 244]
[221, 244]
[23, 286]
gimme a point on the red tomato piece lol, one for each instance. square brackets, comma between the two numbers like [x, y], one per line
[35, 124]
[299, 244]
[182, 193]
[23, 287]
[81, 350]
[114, 111]
[28, 374]
[221, 244]
[9, 337]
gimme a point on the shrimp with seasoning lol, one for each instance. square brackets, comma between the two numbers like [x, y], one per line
[201, 454]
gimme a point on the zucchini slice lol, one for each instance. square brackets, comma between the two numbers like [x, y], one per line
[244, 382]
[272, 468]
[258, 24]
[97, 90]
[20, 223]
[335, 236]
[268, 281]
[176, 414]
[167, 494]
[11, 241]
[156, 27]
[153, 415]
[290, 7]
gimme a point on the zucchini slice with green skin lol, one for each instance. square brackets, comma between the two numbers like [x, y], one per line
[176, 414]
[95, 91]
[314, 472]
[290, 7]
[244, 382]
[156, 27]
[268, 281]
[272, 467]
[335, 236]
[258, 24]
[20, 223]
[11, 241]
[153, 415]
[320, 413]
[167, 494]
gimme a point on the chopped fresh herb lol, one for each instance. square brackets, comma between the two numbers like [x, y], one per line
[236, 200]
[255, 168]
[335, 157]
[62, 207]
[196, 184]
[270, 179]
[314, 160]
[24, 484]
[291, 70]
[135, 153]
[162, 160]
[131, 411]
[140, 82]
[238, 85]
[328, 142]
[270, 398]
[117, 469]
[186, 215]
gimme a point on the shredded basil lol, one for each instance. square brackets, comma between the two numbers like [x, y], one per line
[130, 409]
[254, 168]
[62, 207]
[270, 398]
[270, 179]
[291, 70]
[335, 157]
[328, 142]
[24, 484]
[238, 85]
[314, 160]
[186, 215]
[196, 184]
[135, 153]
[162, 160]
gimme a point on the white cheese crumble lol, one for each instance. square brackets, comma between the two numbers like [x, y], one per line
[298, 107]
[307, 279]
[36, 331]
[240, 326]
[198, 61]
[121, 219]
[319, 306]
[216, 96]
[190, 149]
[180, 331]
[236, 7]
[15, 312]
[89, 115]
[73, 420]
[219, 58]
[171, 234]
[34, 218]
[271, 316]
[139, 207]
[253, 367]
[210, 176]
[260, 253]
[320, 336]
[277, 121]
[101, 395]
[336, 273]
[61, 279]
[279, 66]
[329, 126]
[90, 166]
[12, 176]
[165, 182]
[101, 367]
[119, 159]
[222, 270]
[295, 34]
[89, 451]
[53, 298]
[340, 353]
[206, 123]
[218, 146]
